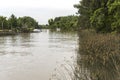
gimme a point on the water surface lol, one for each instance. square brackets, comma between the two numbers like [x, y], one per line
[34, 56]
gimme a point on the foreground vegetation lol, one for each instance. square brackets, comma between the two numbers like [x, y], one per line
[98, 58]
[101, 15]
[99, 55]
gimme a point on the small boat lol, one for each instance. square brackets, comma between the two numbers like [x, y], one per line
[58, 29]
[36, 30]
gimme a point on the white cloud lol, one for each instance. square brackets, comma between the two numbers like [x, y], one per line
[35, 8]
[38, 3]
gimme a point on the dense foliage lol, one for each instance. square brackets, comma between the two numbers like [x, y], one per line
[101, 15]
[27, 24]
[64, 23]
[21, 24]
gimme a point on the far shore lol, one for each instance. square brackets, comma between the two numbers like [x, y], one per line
[7, 32]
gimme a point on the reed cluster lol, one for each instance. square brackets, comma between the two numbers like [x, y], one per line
[99, 54]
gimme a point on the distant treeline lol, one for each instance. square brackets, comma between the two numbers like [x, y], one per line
[64, 23]
[101, 15]
[21, 24]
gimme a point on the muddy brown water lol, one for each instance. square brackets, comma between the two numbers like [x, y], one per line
[34, 56]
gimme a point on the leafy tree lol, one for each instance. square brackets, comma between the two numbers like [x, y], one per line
[3, 22]
[21, 24]
[114, 11]
[100, 20]
[64, 23]
[27, 24]
[85, 12]
[12, 21]
[101, 15]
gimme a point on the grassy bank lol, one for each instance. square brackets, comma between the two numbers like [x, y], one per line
[99, 54]
[98, 58]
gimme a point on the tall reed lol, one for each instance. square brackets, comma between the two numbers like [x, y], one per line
[98, 58]
[99, 54]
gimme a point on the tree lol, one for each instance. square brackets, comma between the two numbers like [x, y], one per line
[12, 21]
[27, 24]
[21, 24]
[64, 23]
[101, 15]
[3, 22]
[114, 11]
[50, 21]
[84, 11]
[100, 20]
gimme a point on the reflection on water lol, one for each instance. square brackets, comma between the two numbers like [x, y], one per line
[34, 56]
[15, 44]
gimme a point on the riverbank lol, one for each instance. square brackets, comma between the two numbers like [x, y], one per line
[99, 55]
[10, 32]
[7, 32]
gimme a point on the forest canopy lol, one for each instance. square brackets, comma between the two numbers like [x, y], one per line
[101, 15]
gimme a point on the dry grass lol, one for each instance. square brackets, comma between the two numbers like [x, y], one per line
[98, 58]
[100, 55]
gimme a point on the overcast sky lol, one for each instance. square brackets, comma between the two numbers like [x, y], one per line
[41, 10]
